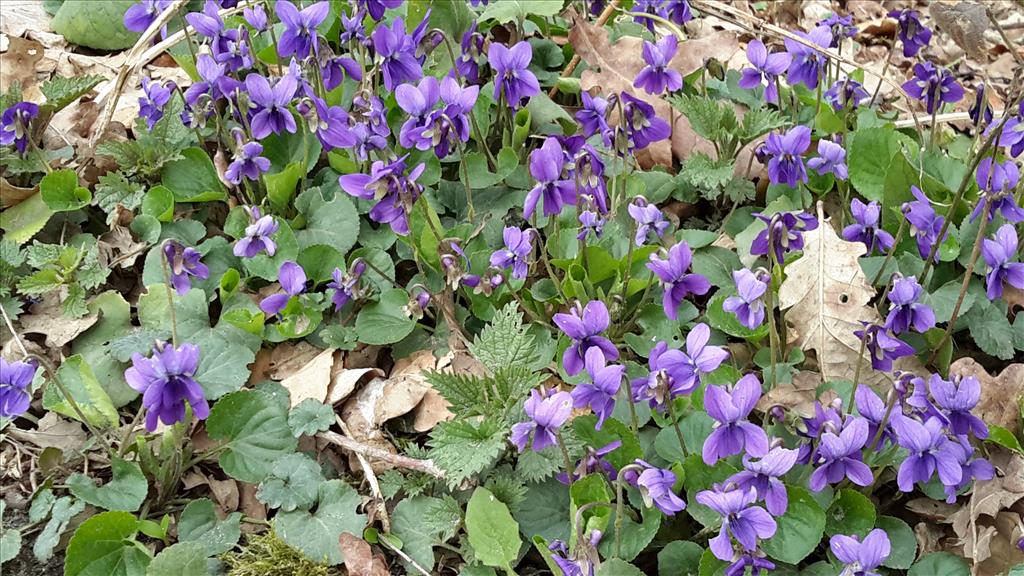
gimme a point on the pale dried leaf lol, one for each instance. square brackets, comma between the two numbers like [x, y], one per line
[431, 410]
[52, 323]
[118, 248]
[344, 380]
[1003, 549]
[20, 59]
[312, 379]
[21, 16]
[225, 493]
[965, 22]
[288, 358]
[250, 507]
[359, 557]
[52, 431]
[1000, 395]
[11, 195]
[988, 498]
[797, 396]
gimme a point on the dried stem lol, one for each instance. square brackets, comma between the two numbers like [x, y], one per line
[425, 466]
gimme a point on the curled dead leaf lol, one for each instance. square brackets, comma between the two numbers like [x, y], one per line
[1000, 395]
[11, 195]
[49, 321]
[359, 557]
[974, 522]
[117, 248]
[20, 59]
[52, 431]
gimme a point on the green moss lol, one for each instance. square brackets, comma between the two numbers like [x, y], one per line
[268, 555]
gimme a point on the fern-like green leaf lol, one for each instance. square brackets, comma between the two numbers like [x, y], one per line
[505, 341]
[758, 122]
[712, 119]
[60, 91]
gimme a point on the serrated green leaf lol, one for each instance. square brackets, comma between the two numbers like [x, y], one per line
[60, 91]
[104, 544]
[254, 424]
[293, 483]
[126, 491]
[760, 121]
[709, 118]
[113, 190]
[492, 532]
[199, 523]
[316, 534]
[462, 448]
[505, 341]
[705, 174]
[991, 330]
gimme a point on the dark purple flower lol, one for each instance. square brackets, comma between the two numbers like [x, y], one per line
[392, 189]
[256, 17]
[548, 411]
[344, 285]
[642, 125]
[184, 262]
[733, 434]
[649, 220]
[257, 235]
[766, 69]
[599, 393]
[584, 325]
[912, 33]
[333, 70]
[330, 124]
[861, 558]
[930, 450]
[585, 559]
[787, 233]
[933, 86]
[299, 37]
[15, 379]
[593, 462]
[925, 224]
[956, 398]
[292, 278]
[156, 96]
[997, 182]
[839, 456]
[376, 8]
[352, 29]
[998, 253]
[229, 47]
[980, 103]
[906, 311]
[882, 346]
[593, 118]
[831, 159]
[200, 95]
[755, 560]
[740, 519]
[471, 47]
[546, 165]
[786, 165]
[846, 93]
[271, 104]
[398, 51]
[675, 280]
[678, 11]
[657, 77]
[747, 305]
[840, 27]
[139, 16]
[15, 123]
[516, 253]
[872, 409]
[807, 63]
[511, 76]
[866, 227]
[764, 476]
[584, 166]
[674, 372]
[366, 141]
[970, 469]
[247, 163]
[166, 381]
[1012, 135]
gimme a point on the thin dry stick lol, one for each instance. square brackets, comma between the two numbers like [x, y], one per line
[571, 67]
[371, 478]
[425, 466]
[1006, 40]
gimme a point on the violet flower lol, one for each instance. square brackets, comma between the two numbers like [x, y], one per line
[997, 183]
[740, 519]
[831, 159]
[585, 559]
[840, 27]
[213, 86]
[906, 311]
[471, 47]
[807, 63]
[546, 165]
[678, 11]
[392, 189]
[272, 113]
[184, 262]
[156, 96]
[787, 233]
[650, 221]
[376, 8]
[140, 15]
[733, 433]
[229, 47]
[417, 101]
[15, 380]
[666, 378]
[766, 69]
[866, 227]
[930, 451]
[998, 253]
[748, 305]
[516, 253]
[511, 76]
[330, 124]
[599, 393]
[344, 285]
[548, 411]
[352, 29]
[786, 165]
[257, 235]
[861, 558]
[980, 103]
[971, 469]
[300, 37]
[642, 125]
[925, 224]
[933, 86]
[872, 409]
[912, 33]
[398, 51]
[451, 125]
[764, 476]
[256, 16]
[333, 71]
[584, 166]
[590, 222]
[592, 462]
[655, 485]
[15, 125]
[657, 77]
[248, 163]
[655, 7]
[882, 346]
[956, 398]
[757, 562]
[584, 325]
[846, 93]
[676, 282]
[593, 118]
[167, 381]
[292, 278]
[839, 456]
[1012, 135]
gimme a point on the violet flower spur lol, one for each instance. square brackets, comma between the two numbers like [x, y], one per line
[167, 381]
[956, 398]
[906, 311]
[839, 456]
[511, 76]
[293, 281]
[593, 118]
[15, 125]
[248, 163]
[807, 63]
[786, 230]
[831, 159]
[546, 165]
[665, 379]
[740, 519]
[997, 182]
[257, 235]
[15, 380]
[655, 485]
[998, 253]
[657, 77]
[156, 96]
[882, 346]
[912, 33]
[398, 51]
[748, 305]
[471, 47]
[584, 167]
[676, 282]
[933, 86]
[872, 409]
[598, 394]
[846, 93]
[930, 451]
[861, 558]
[925, 224]
[733, 433]
[786, 165]
[584, 325]
[140, 15]
[650, 221]
[184, 262]
[642, 125]
[763, 476]
[547, 411]
[766, 68]
[866, 227]
[344, 285]
[516, 253]
[334, 69]
[271, 104]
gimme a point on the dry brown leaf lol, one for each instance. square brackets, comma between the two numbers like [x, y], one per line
[51, 322]
[826, 296]
[251, 507]
[312, 379]
[1013, 296]
[118, 248]
[52, 431]
[359, 557]
[797, 396]
[20, 59]
[1003, 549]
[344, 380]
[225, 493]
[288, 358]
[11, 195]
[21, 16]
[965, 22]
[988, 498]
[1000, 395]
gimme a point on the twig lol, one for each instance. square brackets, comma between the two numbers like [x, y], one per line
[571, 67]
[1006, 40]
[371, 478]
[425, 466]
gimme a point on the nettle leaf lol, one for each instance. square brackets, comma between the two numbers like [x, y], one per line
[113, 189]
[126, 491]
[309, 417]
[199, 523]
[181, 559]
[316, 534]
[61, 91]
[760, 121]
[254, 424]
[63, 510]
[104, 544]
[505, 341]
[705, 174]
[533, 466]
[293, 483]
[492, 532]
[463, 448]
[710, 118]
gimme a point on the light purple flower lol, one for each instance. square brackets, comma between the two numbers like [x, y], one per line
[831, 159]
[593, 118]
[599, 393]
[183, 263]
[593, 462]
[257, 235]
[330, 124]
[299, 37]
[398, 51]
[933, 86]
[516, 253]
[392, 189]
[649, 219]
[548, 411]
[271, 104]
[15, 125]
[930, 451]
[676, 282]
[655, 485]
[766, 69]
[998, 253]
[840, 27]
[590, 222]
[733, 434]
[511, 76]
[839, 456]
[872, 409]
[15, 379]
[846, 93]
[657, 77]
[747, 305]
[151, 104]
[866, 227]
[956, 398]
[417, 101]
[584, 326]
[913, 34]
[1012, 135]
[997, 183]
[786, 165]
[344, 285]
[970, 469]
[471, 47]
[925, 224]
[167, 381]
[861, 558]
[764, 476]
[585, 558]
[292, 278]
[256, 16]
[807, 63]
[787, 233]
[248, 163]
[546, 165]
[906, 311]
[740, 519]
[139, 16]
[229, 47]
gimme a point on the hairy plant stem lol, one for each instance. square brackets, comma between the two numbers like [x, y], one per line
[620, 505]
[634, 422]
[675, 424]
[773, 334]
[123, 446]
[856, 371]
[885, 68]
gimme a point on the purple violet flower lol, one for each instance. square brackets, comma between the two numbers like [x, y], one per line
[655, 7]
[956, 398]
[764, 476]
[547, 412]
[649, 220]
[912, 33]
[398, 51]
[732, 433]
[980, 103]
[787, 233]
[352, 29]
[840, 27]
[376, 8]
[655, 485]
[590, 222]
[516, 253]
[15, 379]
[593, 118]
[872, 409]
[861, 558]
[139, 16]
[229, 47]
[747, 305]
[15, 125]
[247, 163]
[906, 311]
[392, 190]
[755, 560]
[930, 450]
[679, 12]
[546, 165]
[642, 125]
[330, 124]
[272, 113]
[584, 166]
[344, 285]
[997, 183]
[450, 125]
[883, 346]
[292, 278]
[970, 469]
[807, 63]
[184, 262]
[740, 519]
[156, 96]
[846, 93]
[925, 224]
[831, 159]
[998, 253]
[766, 69]
[657, 77]
[676, 282]
[257, 235]
[1012, 135]
[472, 46]
[599, 393]
[866, 227]
[593, 462]
[586, 558]
[511, 76]
[786, 165]
[417, 101]
[300, 37]
[933, 86]
[167, 380]
[839, 456]
[674, 372]
[583, 325]
[256, 17]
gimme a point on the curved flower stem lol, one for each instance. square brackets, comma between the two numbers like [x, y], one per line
[629, 262]
[123, 446]
[52, 372]
[892, 251]
[934, 128]
[885, 68]
[856, 371]
[634, 423]
[565, 457]
[620, 505]
[893, 398]
[170, 295]
[542, 247]
[579, 517]
[773, 334]
[675, 425]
